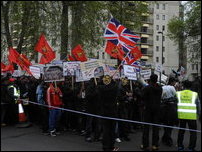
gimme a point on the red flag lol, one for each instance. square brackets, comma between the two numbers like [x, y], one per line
[134, 55]
[24, 63]
[8, 68]
[44, 48]
[79, 53]
[70, 58]
[114, 51]
[2, 65]
[13, 55]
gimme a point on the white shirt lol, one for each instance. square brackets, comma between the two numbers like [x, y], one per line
[168, 91]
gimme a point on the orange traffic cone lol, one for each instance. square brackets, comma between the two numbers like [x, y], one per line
[22, 117]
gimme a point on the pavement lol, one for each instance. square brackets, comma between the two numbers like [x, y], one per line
[31, 139]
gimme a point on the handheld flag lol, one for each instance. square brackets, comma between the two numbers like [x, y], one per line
[43, 47]
[79, 53]
[114, 51]
[120, 35]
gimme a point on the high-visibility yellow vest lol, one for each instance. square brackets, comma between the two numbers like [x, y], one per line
[16, 91]
[186, 104]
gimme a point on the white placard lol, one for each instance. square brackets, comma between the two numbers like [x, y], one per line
[145, 74]
[130, 72]
[79, 76]
[69, 68]
[53, 73]
[92, 64]
[36, 71]
[17, 73]
[158, 67]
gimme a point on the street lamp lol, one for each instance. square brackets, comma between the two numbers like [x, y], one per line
[161, 52]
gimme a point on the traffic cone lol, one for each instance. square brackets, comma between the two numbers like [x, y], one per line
[23, 122]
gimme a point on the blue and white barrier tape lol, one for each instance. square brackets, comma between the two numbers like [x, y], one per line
[116, 119]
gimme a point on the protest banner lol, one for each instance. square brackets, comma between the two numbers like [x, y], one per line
[53, 73]
[69, 68]
[92, 64]
[36, 71]
[145, 74]
[130, 72]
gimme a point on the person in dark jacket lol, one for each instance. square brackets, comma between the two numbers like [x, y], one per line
[108, 98]
[151, 100]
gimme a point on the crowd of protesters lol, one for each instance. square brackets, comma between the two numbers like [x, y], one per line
[110, 98]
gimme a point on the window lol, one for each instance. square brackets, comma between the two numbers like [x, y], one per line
[157, 16]
[163, 49]
[163, 60]
[157, 37]
[163, 27]
[143, 40]
[164, 6]
[157, 48]
[157, 59]
[163, 17]
[157, 5]
[157, 27]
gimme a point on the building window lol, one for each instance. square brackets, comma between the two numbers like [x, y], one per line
[143, 40]
[144, 51]
[157, 16]
[157, 48]
[157, 27]
[163, 17]
[163, 27]
[164, 6]
[163, 49]
[157, 5]
[103, 55]
[157, 38]
[157, 59]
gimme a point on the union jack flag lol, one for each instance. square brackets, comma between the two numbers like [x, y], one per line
[120, 35]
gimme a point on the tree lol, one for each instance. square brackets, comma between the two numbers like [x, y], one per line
[185, 27]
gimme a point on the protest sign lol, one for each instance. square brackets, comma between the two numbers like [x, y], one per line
[158, 67]
[130, 72]
[92, 64]
[17, 73]
[69, 68]
[145, 74]
[98, 72]
[53, 73]
[79, 76]
[36, 71]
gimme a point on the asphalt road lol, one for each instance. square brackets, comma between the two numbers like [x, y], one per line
[31, 139]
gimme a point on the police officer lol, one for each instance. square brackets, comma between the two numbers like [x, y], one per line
[188, 108]
[108, 98]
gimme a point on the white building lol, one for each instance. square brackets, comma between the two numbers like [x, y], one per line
[163, 12]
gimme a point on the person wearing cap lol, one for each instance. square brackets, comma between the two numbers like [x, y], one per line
[187, 108]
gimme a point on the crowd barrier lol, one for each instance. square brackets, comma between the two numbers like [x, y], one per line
[116, 119]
